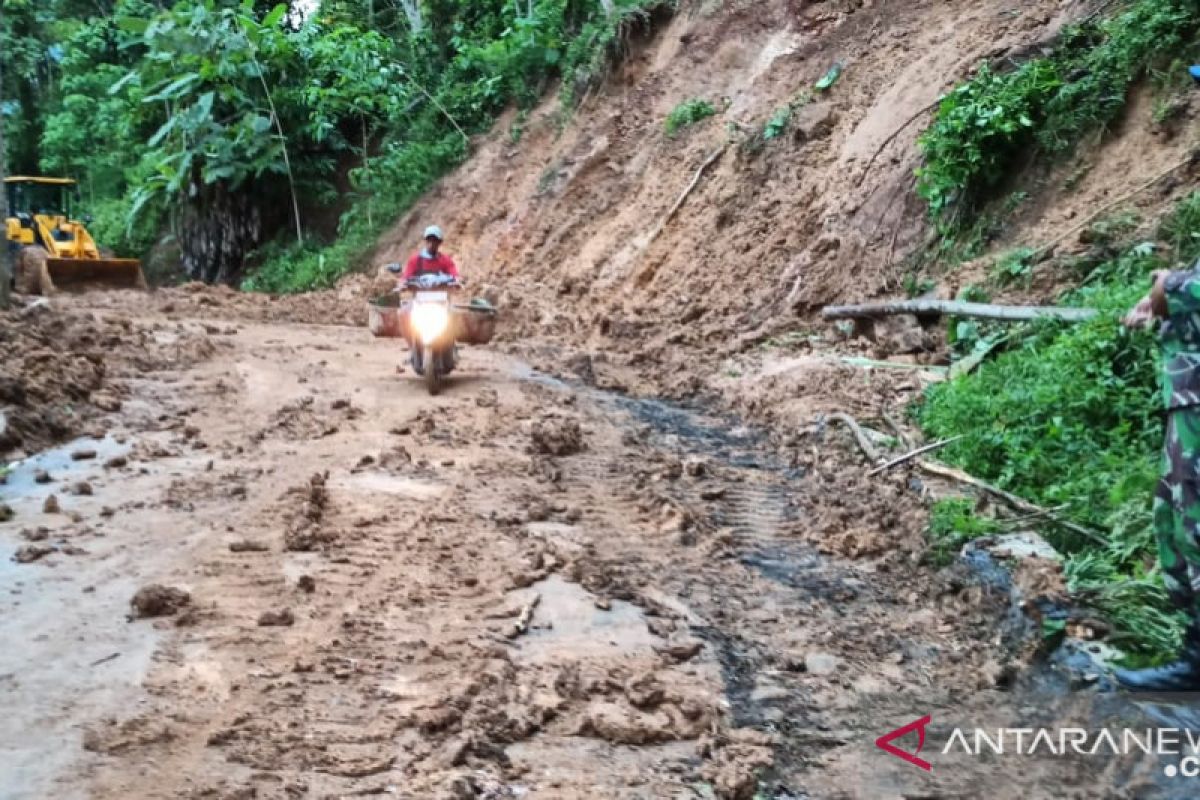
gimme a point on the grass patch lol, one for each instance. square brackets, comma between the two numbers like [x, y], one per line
[953, 523]
[686, 114]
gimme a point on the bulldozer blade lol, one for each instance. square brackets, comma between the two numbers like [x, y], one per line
[102, 272]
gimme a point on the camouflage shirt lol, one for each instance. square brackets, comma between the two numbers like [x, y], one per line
[1181, 340]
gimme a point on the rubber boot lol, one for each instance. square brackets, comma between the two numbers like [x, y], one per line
[1182, 675]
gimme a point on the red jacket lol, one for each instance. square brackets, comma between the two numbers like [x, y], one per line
[420, 264]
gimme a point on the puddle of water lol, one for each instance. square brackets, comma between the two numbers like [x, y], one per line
[567, 625]
[379, 482]
[58, 462]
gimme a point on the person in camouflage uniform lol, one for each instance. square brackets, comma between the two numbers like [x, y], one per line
[1175, 300]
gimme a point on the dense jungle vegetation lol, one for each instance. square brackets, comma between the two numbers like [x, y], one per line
[242, 128]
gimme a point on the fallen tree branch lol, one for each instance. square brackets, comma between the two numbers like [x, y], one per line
[897, 429]
[951, 473]
[895, 462]
[1024, 506]
[931, 307]
[864, 444]
[525, 617]
[708, 162]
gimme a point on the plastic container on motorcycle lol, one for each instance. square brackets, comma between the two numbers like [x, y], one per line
[474, 324]
[384, 318]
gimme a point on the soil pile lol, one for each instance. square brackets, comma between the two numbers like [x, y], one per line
[66, 367]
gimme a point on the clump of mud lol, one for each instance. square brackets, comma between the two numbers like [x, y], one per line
[63, 368]
[305, 531]
[556, 436]
[157, 600]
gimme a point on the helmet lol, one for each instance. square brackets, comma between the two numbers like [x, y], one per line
[435, 232]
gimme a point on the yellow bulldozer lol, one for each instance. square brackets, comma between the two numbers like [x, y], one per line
[53, 250]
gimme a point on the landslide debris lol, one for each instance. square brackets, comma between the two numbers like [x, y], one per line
[64, 367]
[157, 600]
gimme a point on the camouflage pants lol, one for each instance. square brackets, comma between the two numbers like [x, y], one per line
[1177, 510]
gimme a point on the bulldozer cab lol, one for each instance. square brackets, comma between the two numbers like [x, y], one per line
[56, 250]
[46, 196]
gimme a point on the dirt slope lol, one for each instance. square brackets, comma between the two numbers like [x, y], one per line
[563, 222]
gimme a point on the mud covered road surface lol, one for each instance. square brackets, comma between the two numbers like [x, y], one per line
[521, 588]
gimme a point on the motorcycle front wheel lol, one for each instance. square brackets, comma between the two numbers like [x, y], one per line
[433, 373]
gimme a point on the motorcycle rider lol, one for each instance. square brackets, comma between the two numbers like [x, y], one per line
[430, 259]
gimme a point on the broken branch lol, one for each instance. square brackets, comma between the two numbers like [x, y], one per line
[895, 462]
[933, 307]
[525, 617]
[883, 145]
[1024, 506]
[864, 444]
[679, 203]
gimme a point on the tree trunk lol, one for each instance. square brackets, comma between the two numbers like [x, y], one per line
[931, 308]
[412, 10]
[5, 247]
[216, 229]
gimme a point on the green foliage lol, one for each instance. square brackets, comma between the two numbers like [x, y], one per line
[147, 104]
[686, 114]
[110, 227]
[953, 523]
[498, 55]
[1069, 416]
[826, 81]
[1181, 230]
[1013, 267]
[985, 127]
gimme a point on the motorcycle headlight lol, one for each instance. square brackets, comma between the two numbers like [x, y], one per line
[430, 320]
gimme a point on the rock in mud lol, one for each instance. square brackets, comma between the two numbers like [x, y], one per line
[6, 512]
[41, 476]
[111, 738]
[51, 506]
[619, 725]
[83, 454]
[38, 534]
[82, 489]
[814, 121]
[557, 436]
[487, 398]
[282, 618]
[248, 546]
[681, 651]
[116, 462]
[157, 600]
[306, 584]
[29, 553]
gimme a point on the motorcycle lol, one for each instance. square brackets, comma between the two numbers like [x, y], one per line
[430, 326]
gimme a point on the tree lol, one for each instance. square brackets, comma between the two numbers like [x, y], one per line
[5, 260]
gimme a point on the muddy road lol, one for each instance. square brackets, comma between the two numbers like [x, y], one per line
[521, 588]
